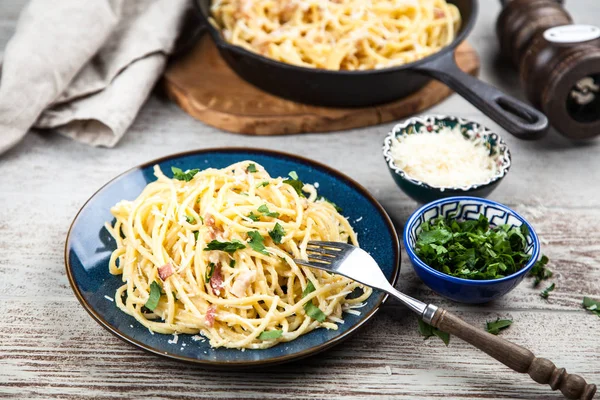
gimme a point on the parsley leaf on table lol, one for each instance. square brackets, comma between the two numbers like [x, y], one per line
[540, 271]
[184, 176]
[592, 305]
[546, 292]
[472, 249]
[494, 327]
[428, 331]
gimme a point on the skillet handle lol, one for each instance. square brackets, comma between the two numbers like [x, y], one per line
[518, 118]
[516, 357]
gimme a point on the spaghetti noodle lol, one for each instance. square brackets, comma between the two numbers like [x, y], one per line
[338, 34]
[212, 252]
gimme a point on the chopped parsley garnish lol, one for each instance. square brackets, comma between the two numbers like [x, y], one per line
[540, 271]
[309, 289]
[265, 210]
[251, 168]
[196, 235]
[232, 263]
[472, 249]
[311, 310]
[209, 272]
[296, 183]
[277, 233]
[256, 242]
[184, 176]
[428, 331]
[337, 208]
[262, 184]
[314, 312]
[270, 335]
[591, 305]
[154, 296]
[253, 216]
[190, 220]
[546, 292]
[494, 327]
[229, 247]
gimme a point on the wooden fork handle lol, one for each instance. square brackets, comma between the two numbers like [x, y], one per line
[516, 357]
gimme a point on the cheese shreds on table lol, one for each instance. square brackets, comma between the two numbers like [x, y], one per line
[444, 159]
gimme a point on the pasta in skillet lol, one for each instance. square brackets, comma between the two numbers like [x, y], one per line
[338, 34]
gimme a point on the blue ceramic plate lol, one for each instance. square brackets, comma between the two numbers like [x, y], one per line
[89, 246]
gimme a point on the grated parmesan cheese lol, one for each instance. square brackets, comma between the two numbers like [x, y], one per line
[175, 339]
[444, 159]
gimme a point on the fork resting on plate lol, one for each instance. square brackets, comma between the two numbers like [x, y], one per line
[355, 263]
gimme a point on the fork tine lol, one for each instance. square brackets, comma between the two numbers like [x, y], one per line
[332, 245]
[321, 259]
[326, 252]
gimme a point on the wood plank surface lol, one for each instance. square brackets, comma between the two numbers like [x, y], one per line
[51, 348]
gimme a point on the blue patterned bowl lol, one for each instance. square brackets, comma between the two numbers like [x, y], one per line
[467, 208]
[424, 193]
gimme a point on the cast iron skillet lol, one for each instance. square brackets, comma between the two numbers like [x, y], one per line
[367, 88]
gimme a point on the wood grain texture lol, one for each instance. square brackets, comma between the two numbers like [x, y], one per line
[516, 357]
[51, 348]
[207, 89]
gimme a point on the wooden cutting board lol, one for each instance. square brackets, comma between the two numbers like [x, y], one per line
[207, 89]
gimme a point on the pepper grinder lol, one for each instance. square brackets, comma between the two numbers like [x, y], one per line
[558, 63]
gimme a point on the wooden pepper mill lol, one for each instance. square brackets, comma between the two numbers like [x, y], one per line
[558, 62]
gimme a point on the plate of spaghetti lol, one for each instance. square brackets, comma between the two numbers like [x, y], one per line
[192, 256]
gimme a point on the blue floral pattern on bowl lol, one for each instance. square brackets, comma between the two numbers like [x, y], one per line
[472, 131]
[467, 208]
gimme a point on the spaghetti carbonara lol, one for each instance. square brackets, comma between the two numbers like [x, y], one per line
[338, 34]
[212, 252]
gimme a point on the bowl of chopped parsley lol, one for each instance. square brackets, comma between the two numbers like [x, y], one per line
[469, 249]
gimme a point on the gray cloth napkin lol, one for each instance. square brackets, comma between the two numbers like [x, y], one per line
[84, 67]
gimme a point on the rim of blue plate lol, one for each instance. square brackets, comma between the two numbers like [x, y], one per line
[415, 259]
[241, 364]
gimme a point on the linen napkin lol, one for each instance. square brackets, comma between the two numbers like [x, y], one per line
[84, 68]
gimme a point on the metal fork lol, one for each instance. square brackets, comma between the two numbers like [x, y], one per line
[356, 264]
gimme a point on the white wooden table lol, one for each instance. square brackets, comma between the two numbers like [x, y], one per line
[51, 348]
